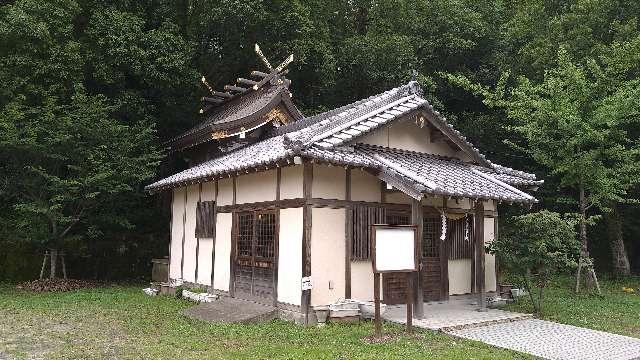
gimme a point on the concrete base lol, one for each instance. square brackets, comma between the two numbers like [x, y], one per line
[231, 310]
[452, 314]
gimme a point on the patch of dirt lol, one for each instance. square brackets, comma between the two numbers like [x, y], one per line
[58, 285]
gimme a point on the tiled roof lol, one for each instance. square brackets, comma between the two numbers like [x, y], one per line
[239, 112]
[263, 153]
[444, 176]
[340, 127]
[324, 137]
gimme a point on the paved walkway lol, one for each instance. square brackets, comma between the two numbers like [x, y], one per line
[551, 340]
[519, 332]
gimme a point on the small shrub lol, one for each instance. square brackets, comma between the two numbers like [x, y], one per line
[536, 246]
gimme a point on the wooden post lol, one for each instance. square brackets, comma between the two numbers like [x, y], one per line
[376, 300]
[306, 236]
[54, 260]
[417, 219]
[64, 266]
[44, 262]
[479, 251]
[409, 303]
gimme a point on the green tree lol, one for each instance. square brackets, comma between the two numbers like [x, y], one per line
[534, 247]
[85, 89]
[576, 122]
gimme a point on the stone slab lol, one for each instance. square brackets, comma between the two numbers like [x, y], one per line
[452, 314]
[232, 310]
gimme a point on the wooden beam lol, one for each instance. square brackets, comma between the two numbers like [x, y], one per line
[212, 100]
[235, 88]
[246, 81]
[417, 219]
[444, 261]
[224, 95]
[479, 252]
[259, 74]
[306, 236]
[348, 233]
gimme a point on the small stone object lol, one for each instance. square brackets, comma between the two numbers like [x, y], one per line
[368, 309]
[322, 311]
[150, 291]
[199, 297]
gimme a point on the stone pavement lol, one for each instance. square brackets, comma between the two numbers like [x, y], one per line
[551, 340]
[452, 314]
[231, 310]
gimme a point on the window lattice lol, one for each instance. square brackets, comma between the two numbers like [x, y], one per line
[265, 235]
[245, 234]
[431, 236]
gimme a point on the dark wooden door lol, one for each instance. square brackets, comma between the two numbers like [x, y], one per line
[431, 269]
[255, 256]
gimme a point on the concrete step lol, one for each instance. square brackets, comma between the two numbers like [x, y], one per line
[232, 310]
[486, 322]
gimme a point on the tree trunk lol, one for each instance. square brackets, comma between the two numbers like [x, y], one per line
[620, 260]
[589, 272]
[54, 262]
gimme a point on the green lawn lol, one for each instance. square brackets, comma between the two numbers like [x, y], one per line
[122, 322]
[615, 311]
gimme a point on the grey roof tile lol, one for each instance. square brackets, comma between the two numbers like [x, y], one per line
[323, 137]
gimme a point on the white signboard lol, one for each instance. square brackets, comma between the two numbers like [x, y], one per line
[306, 283]
[394, 248]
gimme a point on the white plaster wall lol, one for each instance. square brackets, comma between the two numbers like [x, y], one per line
[225, 193]
[364, 186]
[256, 187]
[223, 251]
[362, 281]
[328, 182]
[489, 260]
[291, 186]
[459, 276]
[177, 213]
[209, 191]
[290, 256]
[190, 242]
[405, 134]
[327, 255]
[204, 261]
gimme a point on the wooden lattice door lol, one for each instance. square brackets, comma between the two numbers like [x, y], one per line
[255, 255]
[431, 268]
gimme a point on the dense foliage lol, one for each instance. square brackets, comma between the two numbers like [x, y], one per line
[535, 247]
[91, 89]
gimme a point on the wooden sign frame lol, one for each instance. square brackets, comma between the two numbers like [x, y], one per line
[408, 272]
[373, 247]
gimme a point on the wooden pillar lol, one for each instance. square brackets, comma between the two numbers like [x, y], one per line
[444, 261]
[417, 219]
[306, 237]
[479, 255]
[348, 229]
